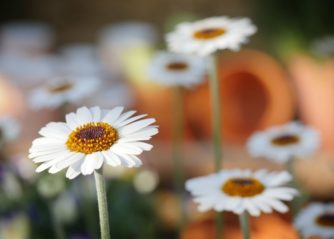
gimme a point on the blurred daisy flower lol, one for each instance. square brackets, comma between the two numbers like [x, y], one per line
[63, 90]
[173, 69]
[209, 35]
[239, 191]
[282, 143]
[9, 128]
[91, 137]
[316, 219]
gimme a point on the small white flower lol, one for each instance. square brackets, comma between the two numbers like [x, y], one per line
[173, 69]
[63, 90]
[9, 128]
[317, 219]
[239, 191]
[282, 143]
[91, 137]
[209, 35]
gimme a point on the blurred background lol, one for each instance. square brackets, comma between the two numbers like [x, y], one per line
[285, 73]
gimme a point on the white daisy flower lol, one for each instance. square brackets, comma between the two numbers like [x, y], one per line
[282, 143]
[91, 137]
[173, 69]
[63, 90]
[239, 191]
[9, 128]
[317, 219]
[209, 35]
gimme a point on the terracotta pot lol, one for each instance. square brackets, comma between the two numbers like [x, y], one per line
[314, 81]
[255, 94]
[266, 226]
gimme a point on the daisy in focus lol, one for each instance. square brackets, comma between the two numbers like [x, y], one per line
[9, 128]
[173, 69]
[240, 191]
[60, 91]
[283, 143]
[209, 35]
[317, 219]
[91, 137]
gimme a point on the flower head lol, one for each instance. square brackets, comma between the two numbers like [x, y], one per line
[173, 69]
[63, 90]
[282, 143]
[317, 219]
[209, 35]
[239, 191]
[91, 137]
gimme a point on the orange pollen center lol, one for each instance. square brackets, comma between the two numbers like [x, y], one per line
[284, 140]
[177, 66]
[209, 33]
[242, 187]
[60, 88]
[326, 220]
[92, 137]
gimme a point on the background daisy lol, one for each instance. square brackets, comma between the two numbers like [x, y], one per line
[91, 137]
[59, 91]
[240, 191]
[173, 69]
[282, 143]
[209, 35]
[317, 219]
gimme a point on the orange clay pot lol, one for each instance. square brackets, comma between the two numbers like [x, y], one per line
[314, 82]
[255, 94]
[264, 227]
[157, 102]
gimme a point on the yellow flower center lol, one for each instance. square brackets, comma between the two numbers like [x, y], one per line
[285, 140]
[242, 187]
[326, 220]
[60, 88]
[177, 66]
[209, 33]
[92, 137]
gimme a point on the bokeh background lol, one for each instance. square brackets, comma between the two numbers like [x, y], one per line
[283, 74]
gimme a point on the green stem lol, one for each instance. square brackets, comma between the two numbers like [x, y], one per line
[244, 223]
[216, 130]
[102, 204]
[57, 226]
[216, 114]
[298, 201]
[178, 131]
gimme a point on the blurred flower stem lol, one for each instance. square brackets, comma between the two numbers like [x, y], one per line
[102, 204]
[244, 223]
[297, 202]
[216, 114]
[216, 127]
[57, 226]
[178, 134]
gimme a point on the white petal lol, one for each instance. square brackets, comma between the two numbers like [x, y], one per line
[84, 116]
[125, 122]
[96, 112]
[113, 115]
[111, 158]
[71, 120]
[136, 126]
[89, 164]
